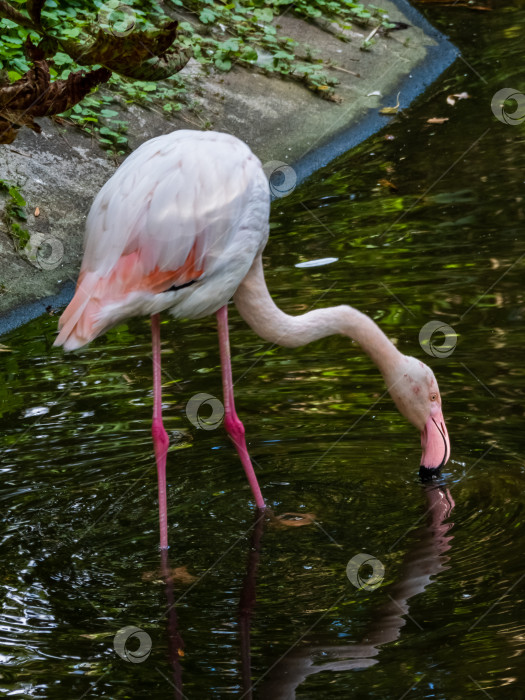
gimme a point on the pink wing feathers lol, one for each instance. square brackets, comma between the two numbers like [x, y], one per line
[186, 207]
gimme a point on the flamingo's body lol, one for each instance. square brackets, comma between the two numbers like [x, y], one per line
[181, 226]
[187, 210]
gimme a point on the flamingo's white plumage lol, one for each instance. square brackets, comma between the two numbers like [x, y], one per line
[181, 226]
[189, 207]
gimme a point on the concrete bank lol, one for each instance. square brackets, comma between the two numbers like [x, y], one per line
[60, 170]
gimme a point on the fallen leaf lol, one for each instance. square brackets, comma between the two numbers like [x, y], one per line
[35, 95]
[452, 99]
[129, 381]
[180, 574]
[37, 211]
[294, 519]
[149, 55]
[34, 8]
[387, 183]
[4, 348]
[437, 120]
[391, 110]
[331, 97]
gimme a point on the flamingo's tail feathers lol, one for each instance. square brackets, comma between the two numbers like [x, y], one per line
[130, 289]
[77, 323]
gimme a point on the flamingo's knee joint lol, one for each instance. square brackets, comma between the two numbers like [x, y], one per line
[234, 427]
[159, 435]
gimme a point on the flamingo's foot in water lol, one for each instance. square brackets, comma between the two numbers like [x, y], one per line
[427, 473]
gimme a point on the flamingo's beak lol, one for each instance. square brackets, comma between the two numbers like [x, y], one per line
[435, 443]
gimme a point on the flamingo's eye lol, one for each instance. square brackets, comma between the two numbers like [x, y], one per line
[433, 397]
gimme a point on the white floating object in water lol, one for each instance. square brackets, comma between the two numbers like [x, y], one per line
[36, 411]
[317, 263]
[373, 94]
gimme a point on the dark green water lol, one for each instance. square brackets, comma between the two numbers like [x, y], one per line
[78, 484]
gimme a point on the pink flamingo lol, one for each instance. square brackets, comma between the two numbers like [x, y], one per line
[181, 226]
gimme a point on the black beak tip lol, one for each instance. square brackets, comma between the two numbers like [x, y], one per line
[428, 473]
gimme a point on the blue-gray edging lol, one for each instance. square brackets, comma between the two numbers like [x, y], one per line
[28, 312]
[439, 57]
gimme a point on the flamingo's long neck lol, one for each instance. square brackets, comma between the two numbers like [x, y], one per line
[258, 309]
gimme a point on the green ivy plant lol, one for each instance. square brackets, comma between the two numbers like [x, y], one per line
[14, 213]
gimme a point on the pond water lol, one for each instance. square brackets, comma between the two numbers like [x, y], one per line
[249, 609]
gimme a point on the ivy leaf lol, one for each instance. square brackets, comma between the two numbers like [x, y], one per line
[17, 197]
[249, 54]
[223, 64]
[206, 16]
[264, 15]
[62, 59]
[284, 55]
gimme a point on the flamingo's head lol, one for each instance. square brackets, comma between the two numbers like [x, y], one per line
[415, 391]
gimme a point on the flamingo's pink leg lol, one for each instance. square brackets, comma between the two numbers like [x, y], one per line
[232, 423]
[160, 436]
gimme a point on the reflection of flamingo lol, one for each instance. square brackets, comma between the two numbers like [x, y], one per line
[175, 641]
[181, 226]
[247, 604]
[424, 559]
